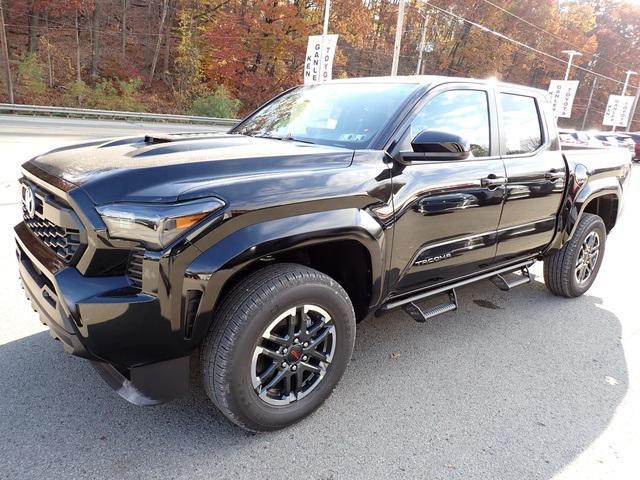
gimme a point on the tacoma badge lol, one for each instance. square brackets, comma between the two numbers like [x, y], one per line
[437, 258]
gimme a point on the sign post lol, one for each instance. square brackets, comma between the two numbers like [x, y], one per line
[624, 90]
[327, 12]
[618, 111]
[562, 95]
[571, 53]
[633, 109]
[318, 64]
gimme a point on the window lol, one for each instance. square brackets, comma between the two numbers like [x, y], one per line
[521, 123]
[463, 112]
[346, 115]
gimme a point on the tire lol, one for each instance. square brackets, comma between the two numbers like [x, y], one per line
[561, 273]
[232, 355]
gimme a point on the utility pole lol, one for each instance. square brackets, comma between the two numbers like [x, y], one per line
[396, 45]
[624, 89]
[327, 9]
[586, 112]
[5, 55]
[571, 53]
[422, 46]
[633, 109]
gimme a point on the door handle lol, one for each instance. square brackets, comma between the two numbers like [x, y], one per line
[446, 203]
[493, 181]
[554, 175]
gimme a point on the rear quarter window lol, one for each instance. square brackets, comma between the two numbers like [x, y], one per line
[521, 123]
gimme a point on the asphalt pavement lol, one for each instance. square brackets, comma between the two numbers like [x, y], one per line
[511, 386]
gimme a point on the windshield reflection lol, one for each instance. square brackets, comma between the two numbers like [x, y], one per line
[347, 115]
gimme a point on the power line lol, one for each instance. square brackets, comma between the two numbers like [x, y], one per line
[439, 10]
[519, 43]
[169, 34]
[557, 37]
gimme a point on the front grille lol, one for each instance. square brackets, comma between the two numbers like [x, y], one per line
[61, 232]
[134, 271]
[63, 241]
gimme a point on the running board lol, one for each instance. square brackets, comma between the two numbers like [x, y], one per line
[505, 284]
[436, 291]
[422, 316]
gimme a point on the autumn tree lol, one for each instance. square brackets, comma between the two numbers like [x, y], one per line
[256, 48]
[214, 52]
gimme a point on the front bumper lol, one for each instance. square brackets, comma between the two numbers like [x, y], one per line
[36, 267]
[103, 320]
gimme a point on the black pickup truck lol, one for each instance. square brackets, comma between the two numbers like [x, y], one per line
[256, 252]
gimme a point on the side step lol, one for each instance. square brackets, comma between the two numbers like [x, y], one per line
[409, 301]
[422, 316]
[505, 284]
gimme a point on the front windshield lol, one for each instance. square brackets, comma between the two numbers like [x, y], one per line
[346, 115]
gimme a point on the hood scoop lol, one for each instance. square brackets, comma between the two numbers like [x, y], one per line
[155, 138]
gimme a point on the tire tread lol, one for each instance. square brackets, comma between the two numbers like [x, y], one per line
[251, 293]
[559, 266]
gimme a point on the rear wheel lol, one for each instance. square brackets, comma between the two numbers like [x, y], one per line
[280, 343]
[571, 271]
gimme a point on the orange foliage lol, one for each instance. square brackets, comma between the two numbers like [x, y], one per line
[256, 48]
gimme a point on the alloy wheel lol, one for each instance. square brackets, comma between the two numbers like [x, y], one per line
[587, 257]
[292, 356]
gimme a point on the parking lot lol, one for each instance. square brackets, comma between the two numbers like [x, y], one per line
[512, 385]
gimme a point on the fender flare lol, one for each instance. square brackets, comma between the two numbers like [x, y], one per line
[210, 271]
[576, 202]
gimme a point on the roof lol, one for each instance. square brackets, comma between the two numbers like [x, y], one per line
[433, 80]
[417, 79]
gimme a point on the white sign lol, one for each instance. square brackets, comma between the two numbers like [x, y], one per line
[319, 60]
[562, 94]
[618, 110]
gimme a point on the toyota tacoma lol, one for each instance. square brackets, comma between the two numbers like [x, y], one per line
[254, 253]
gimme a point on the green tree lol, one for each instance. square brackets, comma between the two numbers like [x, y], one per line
[219, 104]
[31, 76]
[188, 61]
[129, 91]
[76, 93]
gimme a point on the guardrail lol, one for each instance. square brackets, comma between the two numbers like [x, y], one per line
[111, 114]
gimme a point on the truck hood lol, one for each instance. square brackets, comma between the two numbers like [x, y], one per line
[165, 168]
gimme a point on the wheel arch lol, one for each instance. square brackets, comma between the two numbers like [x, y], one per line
[324, 241]
[601, 196]
[605, 206]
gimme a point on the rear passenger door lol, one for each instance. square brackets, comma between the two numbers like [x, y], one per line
[536, 174]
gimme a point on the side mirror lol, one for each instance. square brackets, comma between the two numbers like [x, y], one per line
[437, 145]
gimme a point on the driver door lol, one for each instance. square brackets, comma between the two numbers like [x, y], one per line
[448, 211]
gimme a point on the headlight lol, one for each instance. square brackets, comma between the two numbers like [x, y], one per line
[156, 225]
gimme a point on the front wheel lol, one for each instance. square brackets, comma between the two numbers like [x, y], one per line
[571, 271]
[280, 343]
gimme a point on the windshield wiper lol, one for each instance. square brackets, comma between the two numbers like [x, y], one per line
[286, 138]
